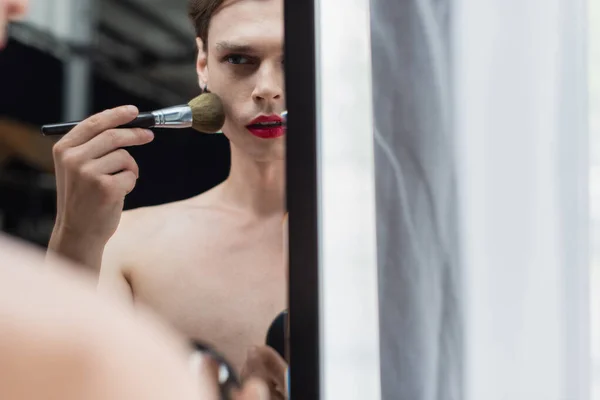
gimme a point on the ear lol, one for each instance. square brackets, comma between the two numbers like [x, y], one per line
[202, 64]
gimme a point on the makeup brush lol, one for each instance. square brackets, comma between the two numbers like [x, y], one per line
[204, 113]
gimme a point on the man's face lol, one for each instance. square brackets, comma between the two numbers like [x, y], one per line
[9, 10]
[244, 66]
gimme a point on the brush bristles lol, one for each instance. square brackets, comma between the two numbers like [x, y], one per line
[208, 113]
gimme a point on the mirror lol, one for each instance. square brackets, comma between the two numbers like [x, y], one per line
[594, 143]
[186, 225]
[475, 193]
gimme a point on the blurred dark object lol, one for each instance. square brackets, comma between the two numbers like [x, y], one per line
[176, 165]
[31, 83]
[276, 334]
[27, 202]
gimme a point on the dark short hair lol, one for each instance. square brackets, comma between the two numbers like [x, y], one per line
[200, 12]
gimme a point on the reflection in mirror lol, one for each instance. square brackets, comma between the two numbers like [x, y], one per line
[183, 224]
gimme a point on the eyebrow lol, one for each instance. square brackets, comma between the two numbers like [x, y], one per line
[234, 47]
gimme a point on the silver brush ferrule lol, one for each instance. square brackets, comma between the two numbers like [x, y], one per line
[173, 117]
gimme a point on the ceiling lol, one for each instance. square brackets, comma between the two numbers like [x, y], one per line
[145, 46]
[152, 40]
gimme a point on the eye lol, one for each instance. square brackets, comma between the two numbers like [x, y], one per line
[237, 59]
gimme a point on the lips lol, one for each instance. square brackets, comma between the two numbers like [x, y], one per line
[267, 127]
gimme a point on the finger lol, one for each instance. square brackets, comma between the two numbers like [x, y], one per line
[113, 139]
[117, 161]
[97, 124]
[206, 372]
[272, 360]
[124, 181]
[255, 389]
[252, 365]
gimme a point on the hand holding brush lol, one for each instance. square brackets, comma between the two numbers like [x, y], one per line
[94, 172]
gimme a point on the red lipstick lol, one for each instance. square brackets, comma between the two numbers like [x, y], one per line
[267, 127]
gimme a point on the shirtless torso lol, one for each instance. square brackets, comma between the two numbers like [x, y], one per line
[215, 273]
[211, 265]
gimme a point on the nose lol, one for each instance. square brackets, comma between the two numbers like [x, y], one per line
[269, 83]
[16, 8]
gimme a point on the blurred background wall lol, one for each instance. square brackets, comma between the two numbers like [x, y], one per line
[73, 58]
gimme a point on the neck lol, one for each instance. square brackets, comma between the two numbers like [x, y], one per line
[257, 186]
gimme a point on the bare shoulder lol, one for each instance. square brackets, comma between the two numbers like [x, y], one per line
[144, 227]
[55, 316]
[146, 224]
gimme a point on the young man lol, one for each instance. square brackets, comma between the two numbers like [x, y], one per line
[211, 265]
[59, 340]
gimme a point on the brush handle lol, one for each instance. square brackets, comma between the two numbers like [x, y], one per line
[143, 120]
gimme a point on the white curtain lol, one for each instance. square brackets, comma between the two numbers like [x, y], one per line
[482, 213]
[420, 313]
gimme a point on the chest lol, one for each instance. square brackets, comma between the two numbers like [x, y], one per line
[225, 292]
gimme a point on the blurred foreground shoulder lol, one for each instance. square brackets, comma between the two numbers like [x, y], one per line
[59, 340]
